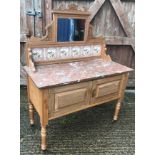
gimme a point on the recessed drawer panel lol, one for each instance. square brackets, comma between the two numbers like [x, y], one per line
[108, 88]
[69, 98]
[65, 99]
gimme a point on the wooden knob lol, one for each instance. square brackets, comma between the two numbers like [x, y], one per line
[29, 49]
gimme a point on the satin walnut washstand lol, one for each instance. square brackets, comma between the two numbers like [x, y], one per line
[68, 69]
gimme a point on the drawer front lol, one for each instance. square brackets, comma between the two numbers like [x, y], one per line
[65, 99]
[69, 98]
[105, 89]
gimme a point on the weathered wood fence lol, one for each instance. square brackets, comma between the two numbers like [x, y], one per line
[114, 19]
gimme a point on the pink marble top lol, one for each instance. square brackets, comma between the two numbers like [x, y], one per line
[74, 72]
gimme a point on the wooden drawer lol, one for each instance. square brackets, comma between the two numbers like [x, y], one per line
[104, 89]
[68, 98]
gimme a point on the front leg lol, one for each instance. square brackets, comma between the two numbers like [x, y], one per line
[122, 90]
[117, 110]
[43, 138]
[31, 113]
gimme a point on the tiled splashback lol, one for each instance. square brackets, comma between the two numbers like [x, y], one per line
[59, 53]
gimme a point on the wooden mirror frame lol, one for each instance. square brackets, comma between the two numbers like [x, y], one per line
[70, 14]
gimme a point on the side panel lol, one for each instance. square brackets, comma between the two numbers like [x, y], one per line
[39, 99]
[35, 96]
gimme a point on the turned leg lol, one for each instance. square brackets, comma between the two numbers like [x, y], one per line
[31, 114]
[43, 138]
[117, 110]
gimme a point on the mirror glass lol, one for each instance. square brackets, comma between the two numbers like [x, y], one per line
[70, 29]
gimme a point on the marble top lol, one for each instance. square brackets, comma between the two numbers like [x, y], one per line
[74, 72]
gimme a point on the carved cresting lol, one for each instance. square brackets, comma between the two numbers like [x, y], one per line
[71, 7]
[48, 32]
[31, 63]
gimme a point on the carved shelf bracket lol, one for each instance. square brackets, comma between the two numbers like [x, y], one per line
[31, 63]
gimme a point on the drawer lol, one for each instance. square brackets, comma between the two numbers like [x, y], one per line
[105, 89]
[68, 98]
[65, 99]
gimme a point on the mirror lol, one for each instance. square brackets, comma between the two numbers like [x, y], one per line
[70, 29]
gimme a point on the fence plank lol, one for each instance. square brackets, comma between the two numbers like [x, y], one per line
[29, 19]
[38, 5]
[48, 14]
[23, 22]
[107, 23]
[129, 9]
[117, 40]
[95, 8]
[118, 7]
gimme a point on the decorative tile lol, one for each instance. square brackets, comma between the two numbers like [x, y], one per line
[96, 50]
[76, 52]
[37, 54]
[57, 53]
[64, 52]
[86, 51]
[51, 54]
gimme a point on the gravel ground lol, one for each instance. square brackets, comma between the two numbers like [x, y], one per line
[88, 132]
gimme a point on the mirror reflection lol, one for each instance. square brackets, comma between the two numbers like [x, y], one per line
[70, 29]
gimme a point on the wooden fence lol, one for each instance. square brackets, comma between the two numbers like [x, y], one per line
[114, 19]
